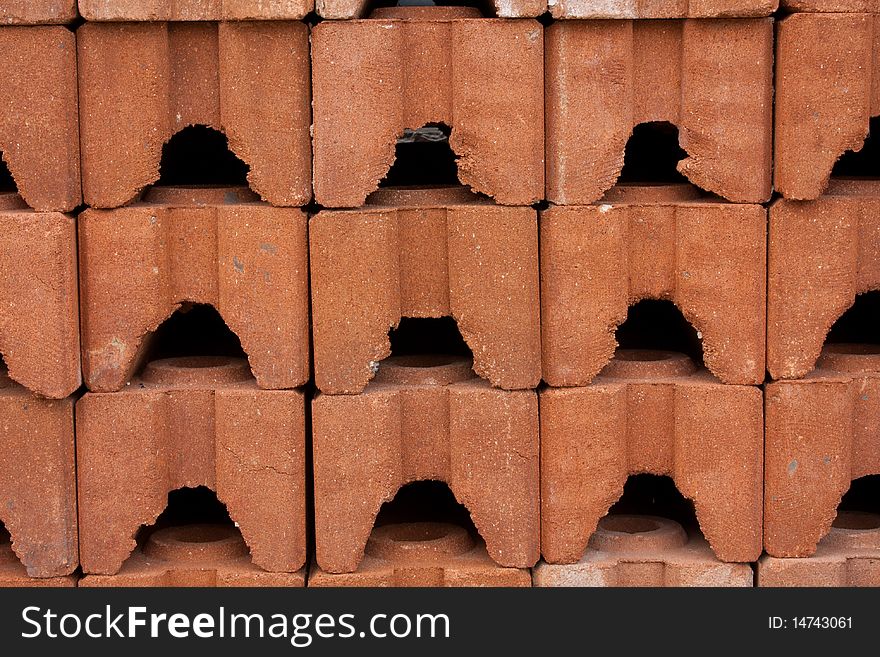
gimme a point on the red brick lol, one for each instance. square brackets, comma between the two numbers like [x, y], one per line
[848, 556]
[13, 574]
[140, 83]
[652, 412]
[830, 6]
[661, 8]
[825, 98]
[645, 551]
[194, 10]
[189, 422]
[711, 78]
[216, 246]
[37, 483]
[340, 9]
[426, 418]
[821, 435]
[39, 316]
[432, 253]
[821, 255]
[37, 12]
[39, 126]
[424, 554]
[194, 555]
[418, 65]
[708, 257]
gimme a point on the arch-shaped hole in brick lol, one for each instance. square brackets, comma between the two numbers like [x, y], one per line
[425, 502]
[864, 163]
[652, 155]
[860, 324]
[428, 336]
[7, 182]
[423, 158]
[485, 7]
[654, 495]
[194, 330]
[6, 553]
[863, 496]
[653, 324]
[200, 156]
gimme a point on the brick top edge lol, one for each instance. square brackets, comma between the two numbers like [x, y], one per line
[348, 9]
[631, 9]
[194, 10]
[37, 12]
[832, 6]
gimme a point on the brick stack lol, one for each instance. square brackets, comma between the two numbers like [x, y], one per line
[821, 409]
[537, 254]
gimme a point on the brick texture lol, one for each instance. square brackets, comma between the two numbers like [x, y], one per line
[341, 9]
[188, 422]
[711, 78]
[661, 8]
[39, 126]
[645, 551]
[832, 6]
[37, 484]
[426, 418]
[424, 554]
[826, 94]
[194, 555]
[218, 246]
[140, 83]
[821, 255]
[375, 78]
[39, 315]
[848, 556]
[706, 256]
[425, 254]
[37, 12]
[652, 412]
[194, 10]
[821, 435]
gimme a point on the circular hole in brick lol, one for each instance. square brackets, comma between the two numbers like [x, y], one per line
[857, 521]
[197, 370]
[199, 542]
[425, 369]
[629, 524]
[637, 533]
[648, 363]
[850, 357]
[418, 541]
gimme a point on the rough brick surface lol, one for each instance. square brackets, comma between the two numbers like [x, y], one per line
[188, 422]
[821, 435]
[481, 77]
[13, 574]
[194, 10]
[644, 551]
[831, 6]
[712, 78]
[39, 125]
[194, 555]
[37, 481]
[660, 243]
[37, 12]
[340, 9]
[661, 8]
[848, 556]
[140, 83]
[426, 418]
[427, 253]
[825, 96]
[39, 315]
[652, 412]
[423, 554]
[821, 255]
[218, 246]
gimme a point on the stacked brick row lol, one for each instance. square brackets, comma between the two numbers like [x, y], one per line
[537, 294]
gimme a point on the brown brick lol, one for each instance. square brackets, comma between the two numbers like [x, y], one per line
[13, 574]
[424, 554]
[340, 9]
[194, 10]
[37, 12]
[194, 555]
[848, 556]
[426, 418]
[821, 435]
[652, 412]
[830, 6]
[708, 257]
[39, 125]
[418, 65]
[39, 315]
[661, 8]
[821, 255]
[430, 253]
[712, 78]
[825, 96]
[645, 551]
[140, 83]
[188, 422]
[37, 482]
[218, 246]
